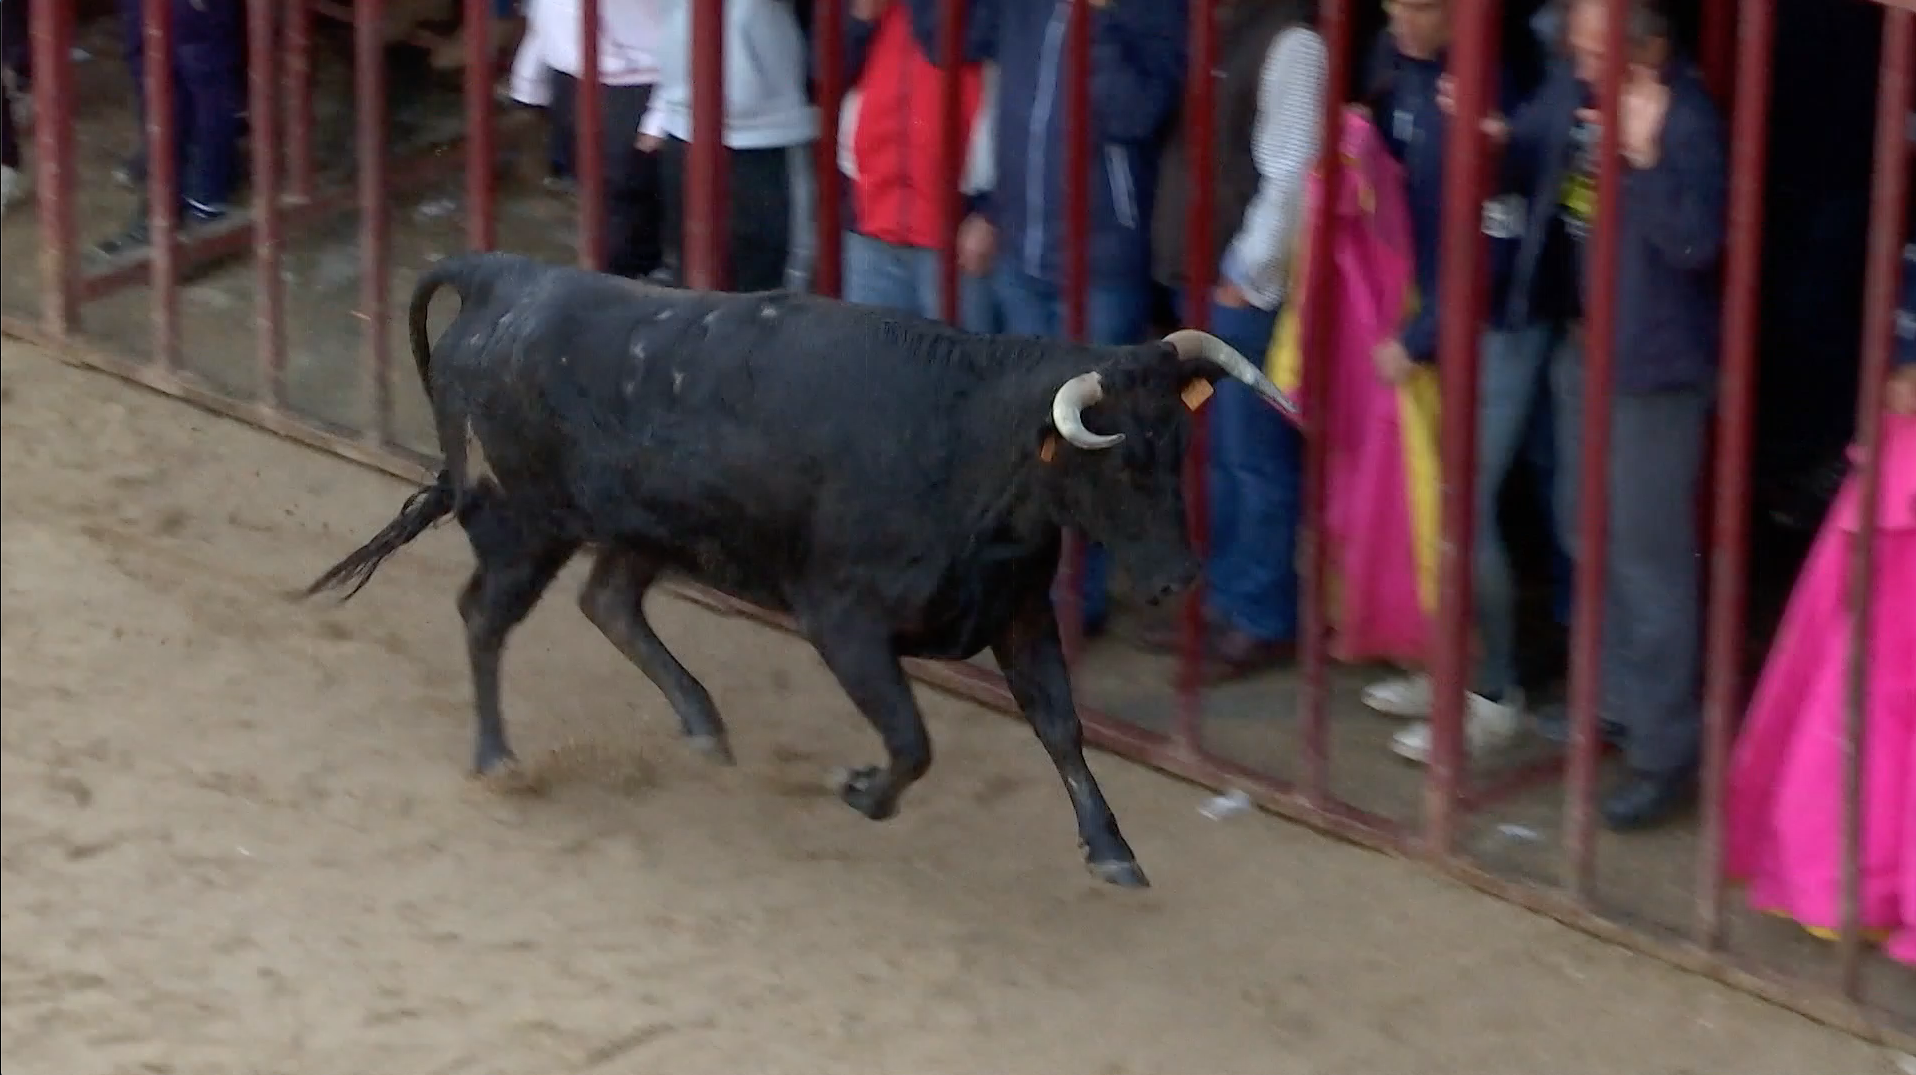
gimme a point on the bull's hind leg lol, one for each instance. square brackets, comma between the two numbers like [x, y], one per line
[513, 573]
[613, 599]
[860, 656]
[1032, 660]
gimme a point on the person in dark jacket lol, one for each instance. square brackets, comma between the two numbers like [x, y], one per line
[1137, 78]
[1406, 71]
[1271, 72]
[209, 41]
[1670, 240]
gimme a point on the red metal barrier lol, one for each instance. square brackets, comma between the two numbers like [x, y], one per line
[284, 175]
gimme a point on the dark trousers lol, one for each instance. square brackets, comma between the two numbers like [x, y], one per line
[759, 217]
[209, 40]
[16, 46]
[633, 204]
[9, 138]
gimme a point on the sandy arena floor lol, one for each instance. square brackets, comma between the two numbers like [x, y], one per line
[238, 838]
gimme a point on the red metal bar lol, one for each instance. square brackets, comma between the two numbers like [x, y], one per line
[297, 93]
[54, 174]
[828, 32]
[951, 209]
[369, 88]
[269, 309]
[1593, 472]
[162, 177]
[706, 172]
[1889, 208]
[1719, 44]
[1736, 426]
[1318, 324]
[1077, 275]
[1461, 290]
[1200, 266]
[590, 132]
[482, 224]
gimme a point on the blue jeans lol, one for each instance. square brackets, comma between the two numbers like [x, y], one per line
[1115, 314]
[897, 277]
[1255, 483]
[208, 93]
[1523, 372]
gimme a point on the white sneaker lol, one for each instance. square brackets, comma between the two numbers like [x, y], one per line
[1488, 726]
[1408, 696]
[13, 187]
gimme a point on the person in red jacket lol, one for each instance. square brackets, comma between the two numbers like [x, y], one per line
[891, 151]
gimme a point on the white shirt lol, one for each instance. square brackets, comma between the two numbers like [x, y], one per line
[1284, 145]
[765, 64]
[628, 44]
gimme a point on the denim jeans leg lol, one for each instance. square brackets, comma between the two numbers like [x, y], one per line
[878, 274]
[1115, 314]
[977, 306]
[1256, 586]
[1511, 384]
[1028, 305]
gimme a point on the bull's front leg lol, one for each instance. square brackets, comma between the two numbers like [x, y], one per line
[859, 653]
[1032, 660]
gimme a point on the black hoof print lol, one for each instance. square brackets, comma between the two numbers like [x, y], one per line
[861, 789]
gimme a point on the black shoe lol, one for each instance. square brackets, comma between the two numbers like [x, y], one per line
[139, 233]
[1553, 723]
[1645, 800]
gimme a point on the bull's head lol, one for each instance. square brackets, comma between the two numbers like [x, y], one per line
[1116, 445]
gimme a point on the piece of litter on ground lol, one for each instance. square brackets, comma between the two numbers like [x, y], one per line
[1219, 807]
[80, 55]
[1510, 831]
[433, 208]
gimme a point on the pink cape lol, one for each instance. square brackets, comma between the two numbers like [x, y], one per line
[1785, 809]
[1381, 519]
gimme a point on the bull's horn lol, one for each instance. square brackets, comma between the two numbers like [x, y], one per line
[1192, 344]
[1067, 412]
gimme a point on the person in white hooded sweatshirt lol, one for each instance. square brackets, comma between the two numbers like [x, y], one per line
[770, 126]
[546, 73]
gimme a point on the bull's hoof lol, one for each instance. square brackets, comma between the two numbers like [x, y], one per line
[713, 748]
[1124, 873]
[505, 775]
[864, 790]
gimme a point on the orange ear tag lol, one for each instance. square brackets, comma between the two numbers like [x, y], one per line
[1196, 393]
[1048, 449]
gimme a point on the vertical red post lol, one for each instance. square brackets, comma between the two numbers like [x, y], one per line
[1317, 323]
[269, 289]
[590, 129]
[1200, 271]
[54, 172]
[1461, 291]
[369, 91]
[1736, 424]
[162, 178]
[1077, 273]
[828, 32]
[481, 220]
[706, 198]
[953, 144]
[297, 93]
[1889, 208]
[1593, 473]
[1719, 45]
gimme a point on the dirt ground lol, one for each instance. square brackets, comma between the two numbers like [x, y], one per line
[238, 838]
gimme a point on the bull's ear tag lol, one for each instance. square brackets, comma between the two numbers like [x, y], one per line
[1196, 393]
[1049, 449]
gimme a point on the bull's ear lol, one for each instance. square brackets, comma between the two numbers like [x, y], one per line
[1048, 448]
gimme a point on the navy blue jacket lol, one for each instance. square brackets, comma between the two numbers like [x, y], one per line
[1402, 94]
[1671, 229]
[1137, 79]
[1906, 317]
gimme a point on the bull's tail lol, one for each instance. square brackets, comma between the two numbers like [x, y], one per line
[471, 277]
[422, 509]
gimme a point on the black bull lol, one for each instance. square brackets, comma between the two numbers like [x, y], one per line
[899, 487]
